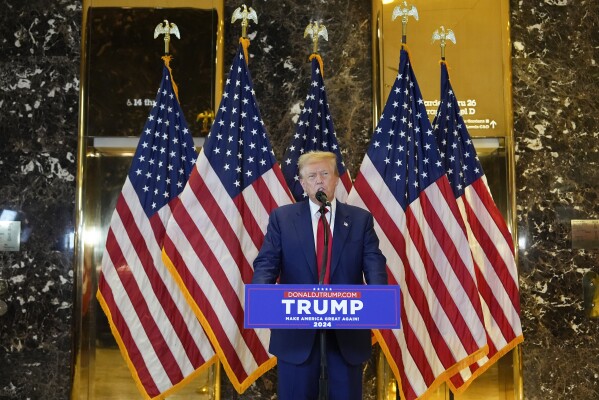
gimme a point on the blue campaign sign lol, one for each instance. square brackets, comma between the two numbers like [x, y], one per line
[322, 306]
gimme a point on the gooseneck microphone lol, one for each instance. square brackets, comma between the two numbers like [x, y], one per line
[322, 197]
[323, 381]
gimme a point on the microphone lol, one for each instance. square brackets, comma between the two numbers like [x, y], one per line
[322, 197]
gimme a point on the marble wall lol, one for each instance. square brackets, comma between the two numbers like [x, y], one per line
[555, 81]
[281, 71]
[555, 84]
[39, 96]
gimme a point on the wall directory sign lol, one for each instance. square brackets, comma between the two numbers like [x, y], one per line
[585, 233]
[10, 235]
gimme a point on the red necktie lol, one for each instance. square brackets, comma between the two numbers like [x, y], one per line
[320, 249]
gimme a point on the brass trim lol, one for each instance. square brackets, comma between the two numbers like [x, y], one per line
[78, 257]
[123, 146]
[509, 118]
[512, 218]
[377, 48]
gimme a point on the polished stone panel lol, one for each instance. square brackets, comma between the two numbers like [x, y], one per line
[39, 84]
[555, 85]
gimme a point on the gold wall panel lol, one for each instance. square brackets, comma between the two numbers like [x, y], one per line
[479, 62]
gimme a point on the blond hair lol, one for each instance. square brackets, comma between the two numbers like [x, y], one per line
[316, 156]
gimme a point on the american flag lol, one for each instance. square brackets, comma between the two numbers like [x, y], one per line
[219, 225]
[490, 240]
[314, 131]
[157, 331]
[403, 183]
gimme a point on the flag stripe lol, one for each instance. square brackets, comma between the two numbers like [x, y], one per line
[251, 201]
[488, 204]
[211, 223]
[222, 282]
[141, 308]
[456, 254]
[484, 224]
[414, 304]
[342, 190]
[490, 304]
[112, 307]
[413, 285]
[147, 283]
[208, 288]
[438, 283]
[272, 191]
[402, 347]
[432, 281]
[215, 325]
[445, 284]
[182, 319]
[491, 278]
[220, 222]
[170, 298]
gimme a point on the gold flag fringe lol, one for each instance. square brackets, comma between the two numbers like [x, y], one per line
[245, 43]
[446, 65]
[319, 59]
[167, 61]
[407, 49]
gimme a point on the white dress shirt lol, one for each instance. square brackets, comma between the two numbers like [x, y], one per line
[315, 213]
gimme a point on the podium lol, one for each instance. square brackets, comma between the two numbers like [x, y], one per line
[322, 306]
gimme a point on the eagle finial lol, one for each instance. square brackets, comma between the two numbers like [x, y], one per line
[315, 29]
[166, 29]
[244, 15]
[443, 36]
[404, 12]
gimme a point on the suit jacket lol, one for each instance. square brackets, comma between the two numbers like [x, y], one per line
[288, 254]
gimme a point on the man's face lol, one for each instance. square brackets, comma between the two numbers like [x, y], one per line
[319, 175]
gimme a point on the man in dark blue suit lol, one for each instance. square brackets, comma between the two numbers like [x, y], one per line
[288, 256]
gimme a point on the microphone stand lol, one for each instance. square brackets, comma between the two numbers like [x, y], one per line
[323, 384]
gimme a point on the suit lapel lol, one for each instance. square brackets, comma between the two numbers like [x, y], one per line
[340, 233]
[303, 226]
